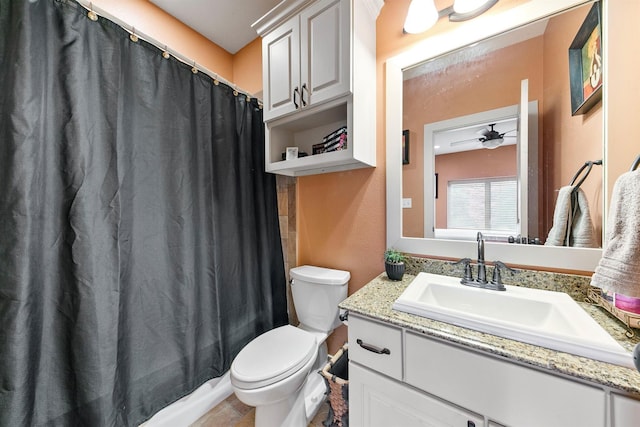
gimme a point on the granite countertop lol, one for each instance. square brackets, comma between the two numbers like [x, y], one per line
[375, 300]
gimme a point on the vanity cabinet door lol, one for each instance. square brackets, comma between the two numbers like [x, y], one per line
[625, 411]
[503, 391]
[377, 401]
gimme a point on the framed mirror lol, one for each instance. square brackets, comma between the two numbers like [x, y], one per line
[457, 108]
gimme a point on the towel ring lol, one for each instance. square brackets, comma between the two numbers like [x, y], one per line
[588, 164]
[635, 164]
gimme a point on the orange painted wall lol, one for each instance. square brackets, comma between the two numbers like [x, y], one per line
[498, 162]
[623, 86]
[580, 135]
[247, 68]
[500, 88]
[149, 19]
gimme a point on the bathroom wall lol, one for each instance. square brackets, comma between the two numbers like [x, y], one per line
[623, 86]
[247, 68]
[562, 160]
[153, 21]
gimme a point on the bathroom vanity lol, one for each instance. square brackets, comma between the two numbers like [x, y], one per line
[412, 371]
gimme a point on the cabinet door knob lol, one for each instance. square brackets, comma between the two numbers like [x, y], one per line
[373, 348]
[304, 87]
[296, 91]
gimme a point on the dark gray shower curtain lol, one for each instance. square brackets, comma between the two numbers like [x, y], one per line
[139, 239]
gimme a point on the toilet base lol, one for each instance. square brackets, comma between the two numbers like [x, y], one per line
[297, 410]
[286, 413]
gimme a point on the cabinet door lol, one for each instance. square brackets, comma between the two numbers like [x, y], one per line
[324, 50]
[508, 393]
[625, 411]
[281, 69]
[375, 400]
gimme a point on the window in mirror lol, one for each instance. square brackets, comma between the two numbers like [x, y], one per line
[487, 205]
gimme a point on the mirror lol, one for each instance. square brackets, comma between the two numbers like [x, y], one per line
[437, 99]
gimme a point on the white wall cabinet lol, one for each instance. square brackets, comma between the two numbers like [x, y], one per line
[319, 74]
[441, 384]
[306, 59]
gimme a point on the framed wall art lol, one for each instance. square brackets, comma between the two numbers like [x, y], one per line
[585, 63]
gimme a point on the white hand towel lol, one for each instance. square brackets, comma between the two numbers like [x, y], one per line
[572, 224]
[619, 267]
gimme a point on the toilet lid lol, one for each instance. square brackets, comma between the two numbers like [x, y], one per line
[272, 356]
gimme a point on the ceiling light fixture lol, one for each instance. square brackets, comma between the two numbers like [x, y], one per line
[423, 14]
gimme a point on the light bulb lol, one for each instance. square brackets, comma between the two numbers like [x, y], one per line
[421, 16]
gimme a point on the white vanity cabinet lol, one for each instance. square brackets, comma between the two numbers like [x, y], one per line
[319, 75]
[440, 384]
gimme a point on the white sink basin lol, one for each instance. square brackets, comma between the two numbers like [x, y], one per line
[544, 318]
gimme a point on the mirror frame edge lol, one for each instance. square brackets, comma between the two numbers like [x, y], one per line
[552, 257]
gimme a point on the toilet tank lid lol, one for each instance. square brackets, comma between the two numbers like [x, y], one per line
[321, 275]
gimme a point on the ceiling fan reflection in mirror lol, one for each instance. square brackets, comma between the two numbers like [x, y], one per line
[490, 138]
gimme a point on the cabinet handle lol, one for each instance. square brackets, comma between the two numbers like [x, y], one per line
[373, 348]
[296, 90]
[304, 86]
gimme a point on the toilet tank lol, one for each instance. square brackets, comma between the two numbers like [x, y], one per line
[316, 293]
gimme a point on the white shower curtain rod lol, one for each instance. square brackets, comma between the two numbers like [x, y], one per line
[135, 35]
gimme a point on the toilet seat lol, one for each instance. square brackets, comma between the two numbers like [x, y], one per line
[272, 356]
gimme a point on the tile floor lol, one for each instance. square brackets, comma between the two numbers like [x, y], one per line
[233, 413]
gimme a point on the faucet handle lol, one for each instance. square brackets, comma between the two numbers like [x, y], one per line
[468, 276]
[497, 266]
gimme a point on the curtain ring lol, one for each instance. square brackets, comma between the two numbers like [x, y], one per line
[194, 70]
[91, 14]
[133, 36]
[215, 79]
[235, 91]
[165, 53]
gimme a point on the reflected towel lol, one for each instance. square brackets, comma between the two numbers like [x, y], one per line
[619, 268]
[572, 224]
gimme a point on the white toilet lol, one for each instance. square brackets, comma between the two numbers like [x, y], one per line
[277, 372]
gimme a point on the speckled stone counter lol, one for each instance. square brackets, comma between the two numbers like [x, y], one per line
[376, 298]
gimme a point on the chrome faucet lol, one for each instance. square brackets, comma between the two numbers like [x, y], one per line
[481, 280]
[482, 268]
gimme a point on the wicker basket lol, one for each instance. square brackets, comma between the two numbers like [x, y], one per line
[336, 376]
